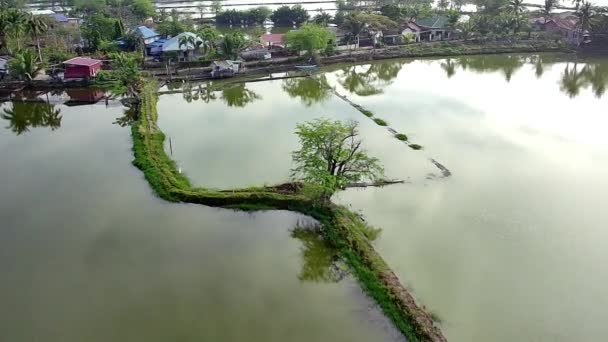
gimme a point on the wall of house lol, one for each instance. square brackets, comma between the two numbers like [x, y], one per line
[81, 71]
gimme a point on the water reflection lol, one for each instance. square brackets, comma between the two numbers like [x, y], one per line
[507, 64]
[321, 263]
[237, 95]
[370, 81]
[309, 90]
[22, 116]
[593, 75]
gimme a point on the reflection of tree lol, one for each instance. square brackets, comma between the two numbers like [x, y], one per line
[128, 118]
[320, 262]
[572, 80]
[309, 90]
[239, 95]
[594, 75]
[23, 115]
[370, 81]
[449, 67]
[198, 92]
[507, 64]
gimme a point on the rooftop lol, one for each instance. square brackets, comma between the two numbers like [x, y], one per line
[84, 61]
[147, 32]
[437, 21]
[274, 38]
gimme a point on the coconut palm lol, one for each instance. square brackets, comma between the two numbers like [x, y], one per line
[547, 8]
[517, 6]
[4, 26]
[16, 24]
[36, 26]
[585, 13]
[189, 42]
[25, 65]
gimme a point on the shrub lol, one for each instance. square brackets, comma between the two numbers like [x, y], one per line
[367, 113]
[415, 147]
[401, 136]
[380, 122]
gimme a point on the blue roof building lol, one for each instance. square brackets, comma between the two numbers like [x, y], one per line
[148, 35]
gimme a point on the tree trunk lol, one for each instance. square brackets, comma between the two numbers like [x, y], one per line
[38, 48]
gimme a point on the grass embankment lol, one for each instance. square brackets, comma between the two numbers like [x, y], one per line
[343, 229]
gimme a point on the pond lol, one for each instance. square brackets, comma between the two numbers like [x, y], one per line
[88, 253]
[510, 246]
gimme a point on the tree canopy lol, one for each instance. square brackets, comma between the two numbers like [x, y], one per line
[309, 38]
[331, 156]
[285, 15]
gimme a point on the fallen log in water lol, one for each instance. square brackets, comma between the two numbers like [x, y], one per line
[377, 184]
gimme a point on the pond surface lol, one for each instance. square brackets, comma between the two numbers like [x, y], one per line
[243, 135]
[512, 246]
[87, 253]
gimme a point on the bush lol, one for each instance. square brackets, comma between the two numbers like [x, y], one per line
[55, 55]
[380, 122]
[105, 76]
[367, 113]
[415, 147]
[401, 136]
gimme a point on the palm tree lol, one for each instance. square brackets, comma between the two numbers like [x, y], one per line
[517, 6]
[187, 41]
[36, 26]
[548, 7]
[585, 13]
[4, 26]
[16, 21]
[25, 66]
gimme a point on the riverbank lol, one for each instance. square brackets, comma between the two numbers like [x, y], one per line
[426, 50]
[343, 229]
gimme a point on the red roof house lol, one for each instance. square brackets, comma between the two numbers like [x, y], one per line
[273, 39]
[81, 67]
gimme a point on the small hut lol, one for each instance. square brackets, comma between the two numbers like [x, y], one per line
[81, 67]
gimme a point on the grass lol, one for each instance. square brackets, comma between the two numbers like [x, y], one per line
[341, 228]
[380, 122]
[415, 147]
[401, 136]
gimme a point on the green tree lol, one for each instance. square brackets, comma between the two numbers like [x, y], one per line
[16, 24]
[585, 14]
[517, 6]
[99, 27]
[4, 27]
[466, 29]
[37, 26]
[287, 16]
[189, 42]
[309, 38]
[232, 44]
[258, 15]
[25, 65]
[128, 74]
[142, 9]
[210, 36]
[323, 18]
[331, 156]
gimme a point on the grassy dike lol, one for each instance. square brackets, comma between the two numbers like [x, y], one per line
[343, 229]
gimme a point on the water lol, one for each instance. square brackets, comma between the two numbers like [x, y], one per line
[511, 246]
[87, 253]
[243, 135]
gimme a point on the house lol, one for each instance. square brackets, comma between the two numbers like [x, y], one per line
[342, 38]
[222, 69]
[273, 39]
[81, 67]
[172, 44]
[562, 24]
[433, 28]
[147, 34]
[4, 66]
[412, 29]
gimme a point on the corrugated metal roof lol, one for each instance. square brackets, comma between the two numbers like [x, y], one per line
[147, 32]
[437, 21]
[84, 61]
